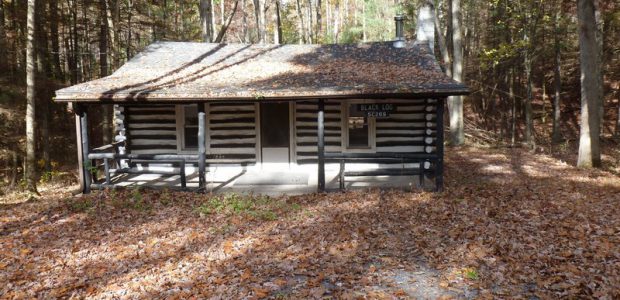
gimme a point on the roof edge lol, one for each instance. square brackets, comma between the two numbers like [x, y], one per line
[104, 100]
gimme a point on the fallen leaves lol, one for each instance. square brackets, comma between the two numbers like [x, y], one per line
[547, 230]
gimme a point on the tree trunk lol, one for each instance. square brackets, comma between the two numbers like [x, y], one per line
[589, 142]
[302, 27]
[75, 48]
[244, 22]
[556, 135]
[129, 29]
[103, 68]
[455, 103]
[14, 167]
[278, 39]
[318, 20]
[43, 70]
[220, 35]
[263, 21]
[600, 32]
[617, 133]
[513, 110]
[364, 32]
[222, 19]
[259, 14]
[113, 42]
[55, 40]
[443, 48]
[336, 18]
[3, 41]
[310, 25]
[31, 163]
[529, 122]
[205, 20]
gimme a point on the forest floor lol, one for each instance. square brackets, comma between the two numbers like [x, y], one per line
[510, 224]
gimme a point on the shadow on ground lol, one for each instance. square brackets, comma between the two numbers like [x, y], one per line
[509, 224]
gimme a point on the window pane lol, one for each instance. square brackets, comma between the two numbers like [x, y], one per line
[191, 137]
[190, 126]
[191, 115]
[358, 128]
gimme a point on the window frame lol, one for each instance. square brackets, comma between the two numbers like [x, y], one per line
[180, 127]
[372, 129]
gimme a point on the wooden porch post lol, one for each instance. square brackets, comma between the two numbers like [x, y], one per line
[81, 129]
[201, 147]
[321, 144]
[439, 167]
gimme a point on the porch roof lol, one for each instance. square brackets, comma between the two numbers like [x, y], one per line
[180, 71]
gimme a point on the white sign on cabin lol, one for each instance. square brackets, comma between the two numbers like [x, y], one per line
[377, 110]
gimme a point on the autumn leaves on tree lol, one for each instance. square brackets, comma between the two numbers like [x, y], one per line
[526, 61]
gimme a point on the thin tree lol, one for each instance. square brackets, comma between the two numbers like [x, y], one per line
[103, 66]
[556, 136]
[455, 103]
[226, 24]
[3, 43]
[302, 27]
[443, 48]
[259, 14]
[31, 163]
[205, 20]
[589, 138]
[318, 20]
[244, 22]
[278, 39]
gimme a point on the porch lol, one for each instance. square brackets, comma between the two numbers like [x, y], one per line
[265, 180]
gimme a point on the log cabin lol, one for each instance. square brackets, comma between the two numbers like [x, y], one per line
[270, 118]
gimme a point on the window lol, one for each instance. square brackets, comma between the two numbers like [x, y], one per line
[188, 121]
[358, 128]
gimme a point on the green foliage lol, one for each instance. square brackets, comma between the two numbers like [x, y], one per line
[471, 274]
[81, 205]
[258, 207]
[165, 198]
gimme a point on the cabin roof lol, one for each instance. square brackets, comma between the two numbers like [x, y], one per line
[181, 71]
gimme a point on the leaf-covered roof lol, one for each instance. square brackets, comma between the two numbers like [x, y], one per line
[177, 71]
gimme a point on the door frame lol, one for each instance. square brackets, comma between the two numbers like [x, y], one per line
[292, 132]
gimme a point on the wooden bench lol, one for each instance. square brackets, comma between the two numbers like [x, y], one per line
[178, 161]
[425, 166]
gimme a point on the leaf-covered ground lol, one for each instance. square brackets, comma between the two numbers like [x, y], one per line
[510, 224]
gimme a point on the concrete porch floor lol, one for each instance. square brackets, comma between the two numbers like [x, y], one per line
[288, 181]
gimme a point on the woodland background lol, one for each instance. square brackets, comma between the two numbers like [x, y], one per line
[521, 60]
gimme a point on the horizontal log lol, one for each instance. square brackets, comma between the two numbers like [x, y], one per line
[314, 127]
[144, 156]
[225, 151]
[154, 143]
[234, 146]
[232, 136]
[384, 139]
[231, 112]
[235, 116]
[153, 121]
[154, 137]
[400, 143]
[222, 128]
[401, 149]
[135, 117]
[136, 171]
[382, 155]
[152, 132]
[385, 172]
[233, 120]
[314, 134]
